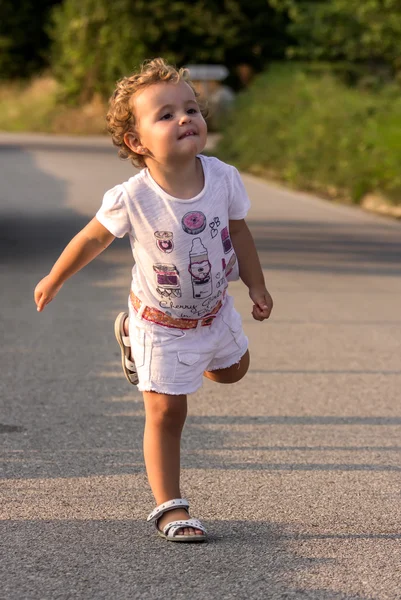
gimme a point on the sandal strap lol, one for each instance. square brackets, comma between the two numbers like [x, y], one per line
[129, 364]
[169, 505]
[171, 528]
[126, 340]
[130, 371]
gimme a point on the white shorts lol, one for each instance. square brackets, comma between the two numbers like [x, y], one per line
[172, 361]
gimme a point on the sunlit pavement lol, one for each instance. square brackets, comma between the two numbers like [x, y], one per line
[295, 470]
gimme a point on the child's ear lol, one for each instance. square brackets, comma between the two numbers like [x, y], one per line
[134, 143]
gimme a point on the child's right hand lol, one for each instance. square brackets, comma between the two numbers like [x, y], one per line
[45, 291]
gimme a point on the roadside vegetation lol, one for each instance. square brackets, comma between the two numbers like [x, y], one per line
[34, 105]
[314, 133]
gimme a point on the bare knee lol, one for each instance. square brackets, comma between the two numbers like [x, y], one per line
[231, 374]
[165, 410]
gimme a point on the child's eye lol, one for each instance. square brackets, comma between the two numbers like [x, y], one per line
[166, 116]
[192, 111]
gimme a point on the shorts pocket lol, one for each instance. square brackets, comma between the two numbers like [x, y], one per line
[138, 345]
[188, 358]
[187, 367]
[164, 357]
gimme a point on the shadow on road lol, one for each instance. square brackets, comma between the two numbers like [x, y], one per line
[127, 555]
[34, 222]
[203, 447]
[328, 248]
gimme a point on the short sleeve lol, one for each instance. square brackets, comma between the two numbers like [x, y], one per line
[113, 214]
[239, 202]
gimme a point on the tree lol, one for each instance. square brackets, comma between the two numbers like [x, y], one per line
[97, 42]
[360, 32]
[94, 43]
[24, 42]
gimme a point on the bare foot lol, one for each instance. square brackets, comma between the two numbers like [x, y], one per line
[178, 514]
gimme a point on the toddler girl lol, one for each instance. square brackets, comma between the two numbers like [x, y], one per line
[184, 214]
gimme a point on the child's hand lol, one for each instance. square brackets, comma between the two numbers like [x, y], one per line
[45, 291]
[263, 303]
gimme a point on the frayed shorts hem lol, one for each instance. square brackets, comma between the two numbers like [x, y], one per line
[164, 389]
[229, 362]
[171, 390]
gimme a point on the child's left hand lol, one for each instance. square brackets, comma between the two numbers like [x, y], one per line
[263, 303]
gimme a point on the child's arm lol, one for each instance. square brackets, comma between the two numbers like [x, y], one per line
[83, 248]
[250, 269]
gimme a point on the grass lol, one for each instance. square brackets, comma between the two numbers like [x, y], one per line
[35, 106]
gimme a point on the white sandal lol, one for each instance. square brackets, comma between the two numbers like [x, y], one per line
[123, 340]
[169, 532]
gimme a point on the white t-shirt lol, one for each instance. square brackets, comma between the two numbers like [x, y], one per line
[182, 248]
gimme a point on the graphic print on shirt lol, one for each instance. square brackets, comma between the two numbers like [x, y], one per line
[228, 267]
[200, 270]
[220, 278]
[168, 280]
[226, 240]
[193, 222]
[164, 241]
[190, 311]
[214, 226]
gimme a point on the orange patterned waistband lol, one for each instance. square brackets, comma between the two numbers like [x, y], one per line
[160, 318]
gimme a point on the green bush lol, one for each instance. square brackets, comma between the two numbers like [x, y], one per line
[94, 44]
[315, 133]
[360, 33]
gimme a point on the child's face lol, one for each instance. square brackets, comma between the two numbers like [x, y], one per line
[169, 124]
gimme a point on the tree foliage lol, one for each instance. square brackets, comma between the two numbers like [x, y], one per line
[96, 42]
[345, 30]
[23, 40]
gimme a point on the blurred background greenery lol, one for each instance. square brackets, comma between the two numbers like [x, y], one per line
[317, 83]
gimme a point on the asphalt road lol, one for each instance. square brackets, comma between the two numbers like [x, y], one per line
[295, 471]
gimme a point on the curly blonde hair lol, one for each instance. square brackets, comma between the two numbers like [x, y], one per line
[120, 116]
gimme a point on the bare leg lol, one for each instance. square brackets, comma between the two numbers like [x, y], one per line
[126, 326]
[165, 418]
[230, 374]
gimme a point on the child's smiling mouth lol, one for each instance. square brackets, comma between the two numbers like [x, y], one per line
[187, 134]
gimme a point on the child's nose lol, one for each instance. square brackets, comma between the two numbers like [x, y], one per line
[185, 118]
